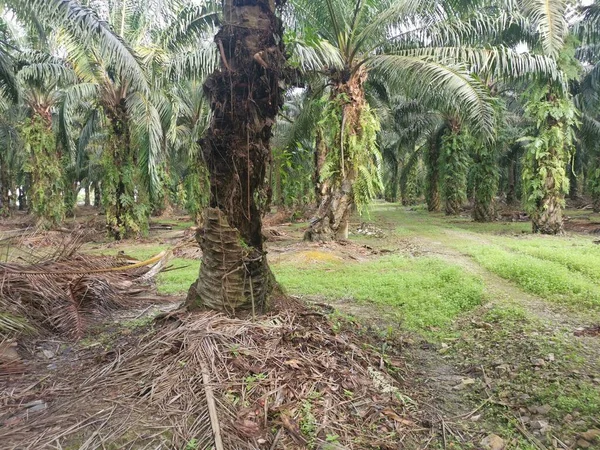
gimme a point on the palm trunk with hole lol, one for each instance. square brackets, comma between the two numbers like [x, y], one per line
[245, 96]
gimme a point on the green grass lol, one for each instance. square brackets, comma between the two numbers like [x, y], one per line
[576, 254]
[548, 279]
[423, 293]
[178, 281]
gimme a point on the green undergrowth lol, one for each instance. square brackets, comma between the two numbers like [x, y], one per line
[576, 254]
[425, 294]
[543, 277]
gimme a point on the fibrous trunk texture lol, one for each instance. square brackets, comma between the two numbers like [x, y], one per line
[548, 218]
[485, 184]
[433, 198]
[336, 196]
[4, 187]
[126, 215]
[245, 97]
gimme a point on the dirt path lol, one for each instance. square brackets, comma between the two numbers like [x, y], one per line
[500, 291]
[439, 375]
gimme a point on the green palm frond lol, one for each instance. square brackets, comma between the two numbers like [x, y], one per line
[73, 97]
[194, 65]
[450, 88]
[191, 23]
[498, 62]
[83, 23]
[314, 55]
[47, 72]
[147, 135]
[547, 19]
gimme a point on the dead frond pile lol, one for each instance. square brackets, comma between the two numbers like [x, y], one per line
[207, 381]
[66, 294]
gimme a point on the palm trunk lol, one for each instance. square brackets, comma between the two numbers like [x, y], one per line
[511, 193]
[86, 199]
[23, 191]
[97, 194]
[245, 97]
[125, 216]
[46, 171]
[453, 159]
[320, 154]
[4, 187]
[433, 197]
[337, 198]
[547, 217]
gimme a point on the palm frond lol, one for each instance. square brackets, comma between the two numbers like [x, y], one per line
[83, 23]
[450, 88]
[548, 20]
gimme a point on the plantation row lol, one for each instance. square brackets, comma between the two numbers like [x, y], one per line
[444, 100]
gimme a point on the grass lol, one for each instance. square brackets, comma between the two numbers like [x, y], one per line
[424, 293]
[543, 277]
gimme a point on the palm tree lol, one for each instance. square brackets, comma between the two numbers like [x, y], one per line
[426, 50]
[245, 97]
[551, 107]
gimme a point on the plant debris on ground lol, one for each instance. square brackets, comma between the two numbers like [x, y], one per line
[203, 380]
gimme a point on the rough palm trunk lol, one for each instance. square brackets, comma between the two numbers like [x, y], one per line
[433, 197]
[86, 198]
[46, 170]
[453, 157]
[245, 97]
[23, 196]
[547, 217]
[4, 187]
[511, 193]
[126, 216]
[97, 194]
[320, 154]
[485, 184]
[337, 198]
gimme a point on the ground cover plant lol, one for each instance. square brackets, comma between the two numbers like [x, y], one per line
[330, 224]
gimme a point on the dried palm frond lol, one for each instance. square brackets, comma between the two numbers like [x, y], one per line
[288, 381]
[65, 294]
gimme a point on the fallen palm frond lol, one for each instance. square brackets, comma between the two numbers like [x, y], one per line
[207, 381]
[68, 292]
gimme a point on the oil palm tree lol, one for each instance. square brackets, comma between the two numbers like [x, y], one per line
[245, 96]
[426, 50]
[551, 107]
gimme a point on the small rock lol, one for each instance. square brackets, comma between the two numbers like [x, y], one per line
[475, 418]
[503, 368]
[525, 419]
[539, 424]
[493, 442]
[550, 357]
[591, 435]
[538, 362]
[582, 443]
[464, 384]
[36, 405]
[568, 418]
[48, 354]
[544, 410]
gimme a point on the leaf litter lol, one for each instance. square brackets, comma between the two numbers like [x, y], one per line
[203, 380]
